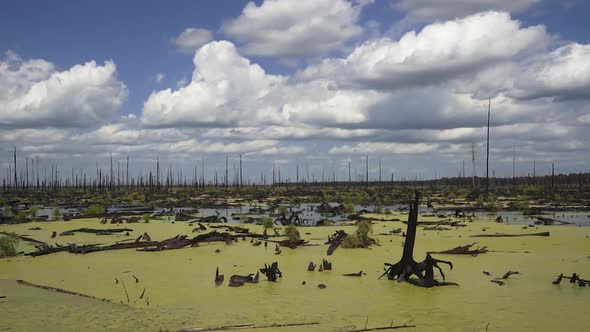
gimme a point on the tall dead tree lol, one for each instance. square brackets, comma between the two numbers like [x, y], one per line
[488, 149]
[407, 266]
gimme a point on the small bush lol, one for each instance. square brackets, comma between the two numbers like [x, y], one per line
[95, 210]
[146, 217]
[55, 214]
[8, 245]
[351, 241]
[283, 209]
[33, 213]
[267, 222]
[292, 233]
[348, 207]
[21, 216]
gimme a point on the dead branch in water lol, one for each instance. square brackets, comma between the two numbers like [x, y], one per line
[511, 235]
[59, 290]
[382, 328]
[463, 250]
[245, 326]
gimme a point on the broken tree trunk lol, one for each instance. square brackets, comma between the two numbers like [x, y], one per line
[335, 241]
[407, 266]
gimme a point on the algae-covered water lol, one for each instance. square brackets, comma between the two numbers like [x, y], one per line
[182, 294]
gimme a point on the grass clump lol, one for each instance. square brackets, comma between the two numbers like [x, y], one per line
[146, 217]
[360, 238]
[292, 234]
[95, 210]
[8, 245]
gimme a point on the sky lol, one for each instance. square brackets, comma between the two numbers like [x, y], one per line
[314, 83]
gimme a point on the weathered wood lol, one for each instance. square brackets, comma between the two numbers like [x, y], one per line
[335, 241]
[96, 231]
[407, 266]
[383, 328]
[463, 250]
[60, 290]
[511, 235]
[245, 327]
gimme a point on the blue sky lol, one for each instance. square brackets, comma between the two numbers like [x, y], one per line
[319, 102]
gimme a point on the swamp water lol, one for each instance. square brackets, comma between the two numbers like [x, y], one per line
[182, 293]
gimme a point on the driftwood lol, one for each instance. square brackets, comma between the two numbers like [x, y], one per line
[550, 221]
[246, 327]
[407, 266]
[98, 231]
[359, 274]
[59, 290]
[335, 241]
[511, 235]
[463, 250]
[176, 242]
[239, 280]
[383, 328]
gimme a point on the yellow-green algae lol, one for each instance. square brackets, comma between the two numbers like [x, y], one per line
[182, 294]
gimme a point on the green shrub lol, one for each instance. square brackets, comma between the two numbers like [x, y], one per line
[348, 207]
[292, 233]
[521, 203]
[55, 213]
[351, 241]
[362, 232]
[267, 222]
[146, 217]
[21, 216]
[283, 209]
[95, 210]
[8, 245]
[33, 213]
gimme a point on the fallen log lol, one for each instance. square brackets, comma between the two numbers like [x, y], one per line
[245, 327]
[335, 241]
[463, 250]
[96, 231]
[511, 235]
[383, 328]
[60, 290]
[358, 274]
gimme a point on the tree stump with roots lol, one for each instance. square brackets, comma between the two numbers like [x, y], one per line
[407, 266]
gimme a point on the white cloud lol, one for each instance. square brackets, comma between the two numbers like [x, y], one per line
[295, 28]
[159, 77]
[563, 73]
[225, 89]
[33, 94]
[191, 39]
[440, 51]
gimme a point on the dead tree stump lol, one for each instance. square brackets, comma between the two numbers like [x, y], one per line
[407, 266]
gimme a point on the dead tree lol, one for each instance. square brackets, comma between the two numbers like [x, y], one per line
[407, 266]
[272, 272]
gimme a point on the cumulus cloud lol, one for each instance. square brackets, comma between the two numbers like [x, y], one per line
[191, 39]
[225, 88]
[439, 52]
[295, 28]
[563, 73]
[34, 94]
